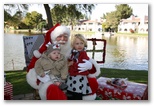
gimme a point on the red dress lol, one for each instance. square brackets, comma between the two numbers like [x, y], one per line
[73, 69]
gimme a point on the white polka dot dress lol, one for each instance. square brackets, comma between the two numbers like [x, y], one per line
[78, 84]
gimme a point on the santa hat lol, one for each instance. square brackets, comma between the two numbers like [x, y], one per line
[58, 31]
[47, 36]
[50, 36]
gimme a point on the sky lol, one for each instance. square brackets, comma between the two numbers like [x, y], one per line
[138, 9]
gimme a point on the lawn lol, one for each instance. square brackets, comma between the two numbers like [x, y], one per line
[20, 86]
[18, 79]
[133, 34]
[139, 76]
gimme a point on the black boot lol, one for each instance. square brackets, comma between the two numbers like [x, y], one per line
[74, 95]
[63, 86]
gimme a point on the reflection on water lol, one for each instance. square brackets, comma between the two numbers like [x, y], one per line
[13, 52]
[128, 53]
[122, 52]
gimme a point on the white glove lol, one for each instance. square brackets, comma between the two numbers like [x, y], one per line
[85, 66]
[37, 54]
[44, 79]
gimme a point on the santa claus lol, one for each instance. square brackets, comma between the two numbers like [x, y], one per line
[48, 91]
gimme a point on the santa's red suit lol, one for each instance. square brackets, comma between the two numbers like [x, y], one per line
[49, 91]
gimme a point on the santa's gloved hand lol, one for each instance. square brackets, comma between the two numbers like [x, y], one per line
[37, 54]
[85, 66]
[44, 79]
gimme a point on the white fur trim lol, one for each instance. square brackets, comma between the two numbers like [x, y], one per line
[37, 54]
[58, 31]
[31, 78]
[97, 68]
[66, 49]
[43, 90]
[89, 97]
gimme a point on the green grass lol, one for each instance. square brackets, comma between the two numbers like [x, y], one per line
[140, 76]
[18, 80]
[20, 86]
[83, 32]
[133, 34]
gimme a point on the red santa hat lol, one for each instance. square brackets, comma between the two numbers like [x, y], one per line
[47, 36]
[50, 36]
[58, 31]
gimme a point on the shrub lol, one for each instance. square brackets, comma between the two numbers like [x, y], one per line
[131, 30]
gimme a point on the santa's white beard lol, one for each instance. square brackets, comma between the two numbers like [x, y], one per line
[66, 49]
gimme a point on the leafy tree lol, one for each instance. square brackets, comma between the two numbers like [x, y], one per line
[15, 7]
[72, 16]
[78, 8]
[123, 11]
[33, 19]
[28, 20]
[103, 17]
[7, 16]
[36, 18]
[14, 19]
[68, 14]
[113, 18]
[58, 13]
[22, 25]
[42, 25]
[104, 26]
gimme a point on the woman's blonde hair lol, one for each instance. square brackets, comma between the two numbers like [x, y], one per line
[79, 36]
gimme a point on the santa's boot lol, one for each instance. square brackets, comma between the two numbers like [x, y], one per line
[54, 93]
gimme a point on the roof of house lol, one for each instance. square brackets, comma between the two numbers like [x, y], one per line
[135, 19]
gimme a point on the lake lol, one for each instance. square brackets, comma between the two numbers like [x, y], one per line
[122, 52]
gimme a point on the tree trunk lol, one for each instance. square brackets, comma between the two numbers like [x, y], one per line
[49, 18]
[72, 28]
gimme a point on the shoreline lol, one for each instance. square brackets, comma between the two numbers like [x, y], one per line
[89, 32]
